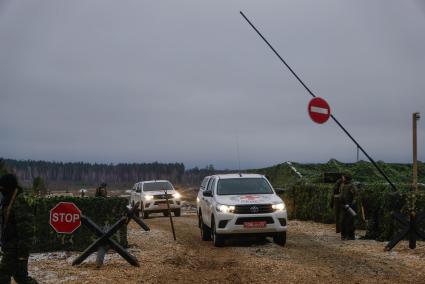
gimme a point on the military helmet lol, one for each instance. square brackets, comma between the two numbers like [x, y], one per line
[8, 182]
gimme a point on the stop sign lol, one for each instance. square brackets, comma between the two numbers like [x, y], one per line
[319, 110]
[65, 217]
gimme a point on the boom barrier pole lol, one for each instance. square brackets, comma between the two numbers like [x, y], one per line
[313, 95]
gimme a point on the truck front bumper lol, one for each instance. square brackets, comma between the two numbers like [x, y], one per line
[228, 223]
[160, 205]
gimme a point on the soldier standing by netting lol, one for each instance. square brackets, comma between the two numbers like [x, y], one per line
[16, 223]
[101, 191]
[335, 202]
[102, 250]
[347, 207]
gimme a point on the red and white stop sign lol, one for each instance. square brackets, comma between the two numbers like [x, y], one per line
[65, 217]
[319, 110]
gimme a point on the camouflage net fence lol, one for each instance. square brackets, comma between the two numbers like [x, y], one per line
[103, 211]
[312, 202]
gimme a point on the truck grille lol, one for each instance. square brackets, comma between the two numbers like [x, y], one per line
[162, 196]
[241, 220]
[163, 202]
[253, 209]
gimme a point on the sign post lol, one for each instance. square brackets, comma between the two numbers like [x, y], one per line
[65, 218]
[169, 214]
[319, 110]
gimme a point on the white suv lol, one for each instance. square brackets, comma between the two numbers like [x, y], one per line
[240, 204]
[150, 195]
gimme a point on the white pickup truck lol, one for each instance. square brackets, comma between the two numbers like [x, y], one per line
[150, 196]
[240, 204]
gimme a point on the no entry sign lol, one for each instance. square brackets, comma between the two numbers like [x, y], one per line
[65, 217]
[319, 110]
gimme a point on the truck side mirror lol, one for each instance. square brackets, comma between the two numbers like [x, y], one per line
[207, 193]
[279, 190]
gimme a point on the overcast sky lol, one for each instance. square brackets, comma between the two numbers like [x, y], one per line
[142, 81]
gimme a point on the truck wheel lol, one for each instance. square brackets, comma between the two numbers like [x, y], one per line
[205, 231]
[177, 213]
[280, 239]
[218, 240]
[165, 213]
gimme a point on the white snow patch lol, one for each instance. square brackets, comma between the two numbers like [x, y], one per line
[294, 169]
[48, 255]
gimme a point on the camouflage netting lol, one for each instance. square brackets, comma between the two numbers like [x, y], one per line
[103, 211]
[312, 202]
[379, 202]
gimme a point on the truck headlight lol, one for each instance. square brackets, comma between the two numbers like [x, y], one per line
[177, 195]
[279, 206]
[148, 197]
[225, 208]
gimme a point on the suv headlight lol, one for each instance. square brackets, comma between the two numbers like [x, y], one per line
[177, 195]
[279, 206]
[148, 197]
[225, 208]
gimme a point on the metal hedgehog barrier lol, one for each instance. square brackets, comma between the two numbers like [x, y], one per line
[104, 237]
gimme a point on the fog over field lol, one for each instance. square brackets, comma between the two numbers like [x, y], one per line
[140, 81]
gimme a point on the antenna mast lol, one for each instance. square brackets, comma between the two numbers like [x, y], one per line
[237, 153]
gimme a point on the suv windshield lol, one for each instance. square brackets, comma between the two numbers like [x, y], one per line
[238, 186]
[157, 186]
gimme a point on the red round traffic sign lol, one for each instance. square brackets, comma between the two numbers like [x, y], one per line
[319, 110]
[65, 217]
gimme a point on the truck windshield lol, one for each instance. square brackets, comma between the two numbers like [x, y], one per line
[157, 186]
[239, 186]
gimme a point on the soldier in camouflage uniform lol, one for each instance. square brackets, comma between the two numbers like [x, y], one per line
[347, 202]
[101, 191]
[335, 202]
[16, 223]
[101, 252]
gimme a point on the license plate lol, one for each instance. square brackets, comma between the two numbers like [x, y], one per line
[255, 224]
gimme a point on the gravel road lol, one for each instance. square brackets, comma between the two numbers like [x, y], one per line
[314, 253]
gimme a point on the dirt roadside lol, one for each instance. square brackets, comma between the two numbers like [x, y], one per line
[313, 254]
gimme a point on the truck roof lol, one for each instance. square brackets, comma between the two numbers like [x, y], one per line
[153, 181]
[241, 175]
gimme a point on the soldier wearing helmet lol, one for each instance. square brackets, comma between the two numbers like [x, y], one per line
[16, 224]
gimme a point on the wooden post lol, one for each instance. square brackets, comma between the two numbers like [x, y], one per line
[412, 236]
[169, 214]
[415, 118]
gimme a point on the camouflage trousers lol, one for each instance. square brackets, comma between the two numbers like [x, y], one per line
[347, 225]
[15, 264]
